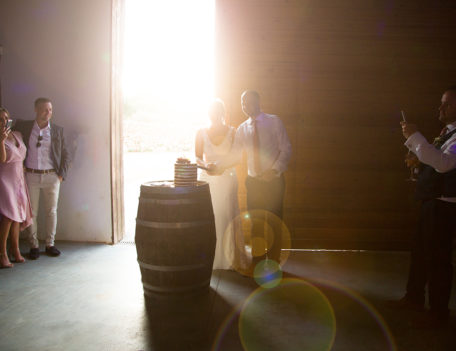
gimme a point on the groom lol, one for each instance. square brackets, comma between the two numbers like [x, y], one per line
[264, 138]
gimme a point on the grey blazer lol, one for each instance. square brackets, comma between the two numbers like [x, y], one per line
[59, 152]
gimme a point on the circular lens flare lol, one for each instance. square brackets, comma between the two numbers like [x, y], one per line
[252, 234]
[357, 303]
[259, 246]
[267, 274]
[305, 309]
[311, 324]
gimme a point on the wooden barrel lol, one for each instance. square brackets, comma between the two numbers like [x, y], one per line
[175, 238]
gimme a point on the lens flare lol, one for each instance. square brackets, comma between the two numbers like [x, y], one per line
[252, 234]
[310, 318]
[225, 326]
[311, 324]
[267, 274]
[360, 301]
[260, 246]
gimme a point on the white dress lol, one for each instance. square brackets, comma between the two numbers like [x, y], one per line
[230, 242]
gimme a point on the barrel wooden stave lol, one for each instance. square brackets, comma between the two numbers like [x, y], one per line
[175, 239]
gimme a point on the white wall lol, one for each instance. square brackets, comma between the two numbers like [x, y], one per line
[61, 49]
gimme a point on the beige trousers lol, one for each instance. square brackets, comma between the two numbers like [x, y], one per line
[49, 186]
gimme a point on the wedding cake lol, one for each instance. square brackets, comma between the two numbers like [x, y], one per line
[185, 173]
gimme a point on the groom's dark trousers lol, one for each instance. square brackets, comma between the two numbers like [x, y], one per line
[264, 198]
[431, 264]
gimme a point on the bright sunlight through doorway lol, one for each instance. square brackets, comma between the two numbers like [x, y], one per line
[168, 82]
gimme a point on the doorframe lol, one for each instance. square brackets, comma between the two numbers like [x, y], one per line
[117, 179]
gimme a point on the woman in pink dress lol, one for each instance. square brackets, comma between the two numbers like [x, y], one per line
[15, 209]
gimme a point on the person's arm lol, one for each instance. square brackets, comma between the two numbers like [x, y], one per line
[283, 156]
[64, 158]
[199, 147]
[281, 164]
[441, 161]
[3, 137]
[2, 151]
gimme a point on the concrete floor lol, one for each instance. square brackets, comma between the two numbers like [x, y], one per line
[91, 298]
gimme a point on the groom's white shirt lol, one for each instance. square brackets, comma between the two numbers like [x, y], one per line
[275, 147]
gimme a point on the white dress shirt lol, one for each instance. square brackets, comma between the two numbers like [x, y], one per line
[275, 147]
[442, 160]
[39, 157]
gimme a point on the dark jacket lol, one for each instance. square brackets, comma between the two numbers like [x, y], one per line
[59, 152]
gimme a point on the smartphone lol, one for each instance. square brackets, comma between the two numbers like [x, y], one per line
[9, 124]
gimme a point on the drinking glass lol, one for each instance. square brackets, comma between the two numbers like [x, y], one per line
[413, 169]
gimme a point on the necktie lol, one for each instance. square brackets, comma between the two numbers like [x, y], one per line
[256, 149]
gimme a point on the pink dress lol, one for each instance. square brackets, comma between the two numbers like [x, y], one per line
[14, 197]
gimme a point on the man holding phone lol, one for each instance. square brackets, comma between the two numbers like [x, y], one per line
[431, 262]
[46, 166]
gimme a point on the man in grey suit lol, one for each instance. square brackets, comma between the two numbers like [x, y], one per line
[46, 166]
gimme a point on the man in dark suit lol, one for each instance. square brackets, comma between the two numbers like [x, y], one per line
[432, 244]
[46, 166]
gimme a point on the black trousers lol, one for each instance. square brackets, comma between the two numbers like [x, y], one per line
[264, 198]
[431, 255]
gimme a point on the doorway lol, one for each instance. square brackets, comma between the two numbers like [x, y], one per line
[167, 83]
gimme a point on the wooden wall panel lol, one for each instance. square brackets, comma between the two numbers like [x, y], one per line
[338, 73]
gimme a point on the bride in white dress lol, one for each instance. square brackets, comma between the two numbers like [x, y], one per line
[213, 144]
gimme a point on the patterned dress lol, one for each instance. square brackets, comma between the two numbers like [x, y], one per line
[14, 197]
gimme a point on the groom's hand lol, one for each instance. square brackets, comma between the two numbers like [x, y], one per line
[269, 175]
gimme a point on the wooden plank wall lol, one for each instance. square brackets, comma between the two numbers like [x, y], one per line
[338, 73]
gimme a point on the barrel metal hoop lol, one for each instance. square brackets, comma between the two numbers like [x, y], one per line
[171, 268]
[169, 201]
[171, 289]
[167, 187]
[172, 225]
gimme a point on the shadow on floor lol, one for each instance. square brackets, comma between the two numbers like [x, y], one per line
[91, 298]
[183, 323]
